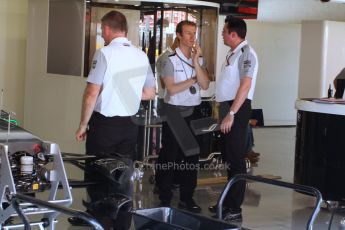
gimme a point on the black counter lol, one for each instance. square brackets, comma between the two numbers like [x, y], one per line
[320, 148]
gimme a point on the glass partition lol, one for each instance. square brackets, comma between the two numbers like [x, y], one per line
[152, 26]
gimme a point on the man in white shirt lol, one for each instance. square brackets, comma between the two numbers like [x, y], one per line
[160, 60]
[234, 90]
[119, 79]
[183, 75]
[161, 88]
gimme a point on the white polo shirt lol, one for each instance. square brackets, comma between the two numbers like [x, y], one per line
[239, 63]
[123, 71]
[181, 68]
[160, 60]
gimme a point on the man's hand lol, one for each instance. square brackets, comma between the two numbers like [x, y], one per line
[89, 100]
[227, 123]
[196, 53]
[80, 135]
[200, 73]
[253, 122]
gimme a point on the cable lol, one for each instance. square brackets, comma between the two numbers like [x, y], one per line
[338, 209]
[21, 215]
[331, 220]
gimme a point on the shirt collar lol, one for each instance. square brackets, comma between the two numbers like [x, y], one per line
[243, 43]
[121, 40]
[181, 55]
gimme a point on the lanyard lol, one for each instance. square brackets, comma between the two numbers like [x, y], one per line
[183, 61]
[228, 58]
[192, 89]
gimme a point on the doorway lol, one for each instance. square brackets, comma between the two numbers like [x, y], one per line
[152, 27]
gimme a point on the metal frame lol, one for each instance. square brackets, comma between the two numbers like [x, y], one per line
[7, 187]
[82, 215]
[301, 188]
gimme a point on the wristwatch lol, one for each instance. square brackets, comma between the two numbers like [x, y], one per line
[232, 113]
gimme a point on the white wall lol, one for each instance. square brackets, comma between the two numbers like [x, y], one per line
[293, 11]
[277, 47]
[52, 102]
[13, 27]
[322, 56]
[311, 61]
[335, 58]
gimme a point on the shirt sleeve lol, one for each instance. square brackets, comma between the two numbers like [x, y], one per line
[246, 64]
[98, 68]
[159, 61]
[150, 79]
[158, 65]
[167, 68]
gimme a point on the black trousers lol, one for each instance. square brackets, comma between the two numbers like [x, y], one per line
[108, 137]
[172, 164]
[233, 149]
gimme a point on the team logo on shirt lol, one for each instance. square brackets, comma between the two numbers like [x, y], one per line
[94, 62]
[247, 64]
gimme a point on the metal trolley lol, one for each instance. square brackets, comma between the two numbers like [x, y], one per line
[171, 219]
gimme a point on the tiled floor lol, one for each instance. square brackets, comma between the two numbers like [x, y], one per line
[265, 207]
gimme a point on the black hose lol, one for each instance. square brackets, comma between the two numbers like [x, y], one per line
[20, 213]
[331, 220]
[335, 210]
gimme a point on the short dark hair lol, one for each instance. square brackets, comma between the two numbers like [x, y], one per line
[116, 21]
[237, 25]
[183, 23]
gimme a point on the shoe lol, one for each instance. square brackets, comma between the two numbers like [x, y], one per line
[230, 216]
[76, 221]
[190, 206]
[213, 208]
[233, 217]
[253, 154]
[252, 158]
